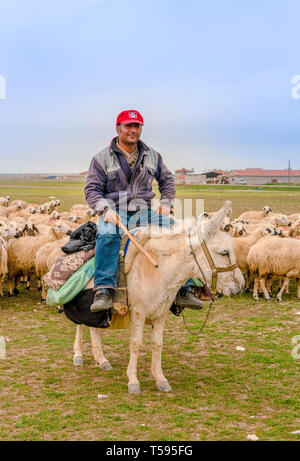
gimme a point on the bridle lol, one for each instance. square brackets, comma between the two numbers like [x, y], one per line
[215, 271]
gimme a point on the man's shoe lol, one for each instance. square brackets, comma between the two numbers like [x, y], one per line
[186, 298]
[103, 300]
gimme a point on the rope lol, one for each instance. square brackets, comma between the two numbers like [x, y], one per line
[197, 333]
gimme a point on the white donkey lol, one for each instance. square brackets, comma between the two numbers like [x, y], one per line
[151, 291]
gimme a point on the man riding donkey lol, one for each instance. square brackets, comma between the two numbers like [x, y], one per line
[119, 187]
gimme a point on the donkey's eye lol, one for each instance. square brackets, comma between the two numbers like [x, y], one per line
[225, 253]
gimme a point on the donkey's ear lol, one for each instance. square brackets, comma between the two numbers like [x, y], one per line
[213, 224]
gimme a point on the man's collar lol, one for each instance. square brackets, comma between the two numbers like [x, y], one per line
[142, 147]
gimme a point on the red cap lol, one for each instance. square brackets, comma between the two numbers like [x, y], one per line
[130, 116]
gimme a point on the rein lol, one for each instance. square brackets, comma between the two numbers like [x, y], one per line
[215, 271]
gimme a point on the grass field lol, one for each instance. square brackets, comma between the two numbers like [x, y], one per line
[218, 393]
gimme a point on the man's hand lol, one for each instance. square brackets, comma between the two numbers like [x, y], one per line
[112, 217]
[164, 209]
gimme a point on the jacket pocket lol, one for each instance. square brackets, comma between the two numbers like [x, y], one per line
[149, 177]
[112, 182]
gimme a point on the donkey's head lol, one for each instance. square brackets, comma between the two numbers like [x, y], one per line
[220, 247]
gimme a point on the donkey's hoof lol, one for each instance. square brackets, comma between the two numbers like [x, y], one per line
[105, 366]
[134, 388]
[78, 361]
[164, 386]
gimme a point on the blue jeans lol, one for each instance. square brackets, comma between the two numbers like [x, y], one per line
[109, 240]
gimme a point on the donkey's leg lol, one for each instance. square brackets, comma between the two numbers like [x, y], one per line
[157, 345]
[97, 349]
[136, 340]
[77, 359]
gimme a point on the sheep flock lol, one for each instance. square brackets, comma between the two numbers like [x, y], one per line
[266, 244]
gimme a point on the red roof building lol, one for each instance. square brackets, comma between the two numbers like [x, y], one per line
[262, 172]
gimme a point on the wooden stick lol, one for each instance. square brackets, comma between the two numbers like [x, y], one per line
[139, 247]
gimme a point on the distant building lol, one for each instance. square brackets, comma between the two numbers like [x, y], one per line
[197, 178]
[258, 176]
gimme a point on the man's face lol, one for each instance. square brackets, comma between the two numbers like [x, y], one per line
[130, 133]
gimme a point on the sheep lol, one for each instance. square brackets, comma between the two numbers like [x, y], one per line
[31, 229]
[55, 215]
[241, 221]
[75, 219]
[6, 233]
[274, 257]
[19, 204]
[3, 262]
[3, 221]
[295, 229]
[65, 215]
[3, 211]
[40, 219]
[4, 201]
[78, 206]
[19, 213]
[21, 254]
[238, 230]
[242, 246]
[47, 208]
[278, 220]
[255, 215]
[294, 217]
[33, 208]
[45, 258]
[82, 216]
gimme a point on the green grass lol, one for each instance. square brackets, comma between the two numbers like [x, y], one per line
[218, 393]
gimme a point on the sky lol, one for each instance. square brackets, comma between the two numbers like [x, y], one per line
[212, 79]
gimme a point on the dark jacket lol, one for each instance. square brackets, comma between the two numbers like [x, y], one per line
[83, 238]
[110, 184]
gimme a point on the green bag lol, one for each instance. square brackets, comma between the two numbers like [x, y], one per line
[197, 283]
[74, 285]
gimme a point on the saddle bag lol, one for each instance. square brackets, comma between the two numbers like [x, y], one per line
[74, 285]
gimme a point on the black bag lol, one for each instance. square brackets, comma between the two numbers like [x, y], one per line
[78, 311]
[83, 238]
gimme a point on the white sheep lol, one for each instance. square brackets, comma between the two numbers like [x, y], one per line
[238, 229]
[274, 257]
[21, 255]
[255, 215]
[242, 247]
[4, 201]
[6, 233]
